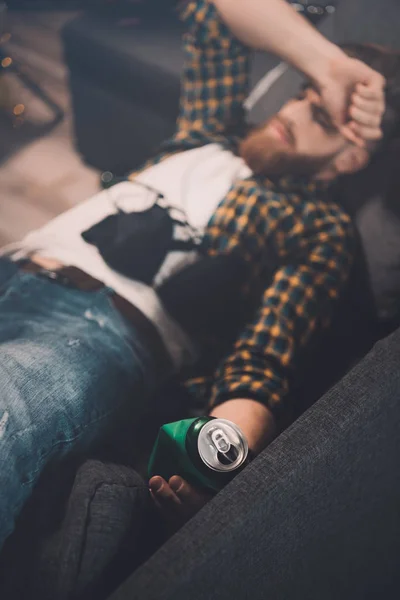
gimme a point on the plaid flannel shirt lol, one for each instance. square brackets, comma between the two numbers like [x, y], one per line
[311, 236]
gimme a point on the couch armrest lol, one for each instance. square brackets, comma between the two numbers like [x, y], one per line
[316, 515]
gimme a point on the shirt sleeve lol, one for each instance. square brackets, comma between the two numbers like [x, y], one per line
[215, 80]
[299, 300]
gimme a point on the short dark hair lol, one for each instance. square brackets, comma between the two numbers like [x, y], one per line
[387, 62]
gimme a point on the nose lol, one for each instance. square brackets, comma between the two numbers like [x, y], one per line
[290, 113]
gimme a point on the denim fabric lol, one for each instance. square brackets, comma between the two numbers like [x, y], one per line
[68, 364]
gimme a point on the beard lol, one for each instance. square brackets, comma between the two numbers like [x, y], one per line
[268, 156]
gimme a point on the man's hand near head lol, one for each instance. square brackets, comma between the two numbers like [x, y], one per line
[176, 499]
[353, 93]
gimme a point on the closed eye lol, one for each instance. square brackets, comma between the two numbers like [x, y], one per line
[320, 116]
[301, 95]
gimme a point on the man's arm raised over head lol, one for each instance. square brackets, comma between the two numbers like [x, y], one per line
[274, 26]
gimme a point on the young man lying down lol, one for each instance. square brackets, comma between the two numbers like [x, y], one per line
[95, 317]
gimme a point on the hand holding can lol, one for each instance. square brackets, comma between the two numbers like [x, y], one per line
[205, 451]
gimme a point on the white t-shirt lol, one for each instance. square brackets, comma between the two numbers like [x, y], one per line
[195, 181]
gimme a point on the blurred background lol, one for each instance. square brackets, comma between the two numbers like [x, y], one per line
[41, 173]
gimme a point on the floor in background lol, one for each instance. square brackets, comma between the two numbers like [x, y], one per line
[46, 177]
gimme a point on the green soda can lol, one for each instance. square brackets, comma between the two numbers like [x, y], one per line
[205, 451]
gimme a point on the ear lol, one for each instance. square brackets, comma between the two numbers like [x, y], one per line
[351, 160]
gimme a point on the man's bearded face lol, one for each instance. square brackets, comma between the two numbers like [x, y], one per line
[299, 140]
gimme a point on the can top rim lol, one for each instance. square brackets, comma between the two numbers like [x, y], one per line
[210, 449]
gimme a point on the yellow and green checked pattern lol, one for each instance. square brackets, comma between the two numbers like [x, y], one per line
[311, 236]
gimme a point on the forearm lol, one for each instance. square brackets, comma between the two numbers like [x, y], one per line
[254, 419]
[274, 26]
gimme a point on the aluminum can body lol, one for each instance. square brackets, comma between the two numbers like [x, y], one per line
[205, 451]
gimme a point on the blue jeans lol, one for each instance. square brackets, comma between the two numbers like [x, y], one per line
[68, 364]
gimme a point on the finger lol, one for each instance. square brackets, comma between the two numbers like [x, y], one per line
[155, 483]
[376, 107]
[163, 494]
[364, 118]
[185, 492]
[365, 132]
[351, 136]
[176, 483]
[188, 495]
[371, 91]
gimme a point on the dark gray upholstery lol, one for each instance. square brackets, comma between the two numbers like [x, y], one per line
[315, 516]
[92, 531]
[380, 230]
[79, 542]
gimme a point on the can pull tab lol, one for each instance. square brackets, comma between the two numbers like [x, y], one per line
[226, 453]
[220, 440]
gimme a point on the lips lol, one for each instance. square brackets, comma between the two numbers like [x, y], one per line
[280, 131]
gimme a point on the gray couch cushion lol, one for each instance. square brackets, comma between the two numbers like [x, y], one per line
[82, 547]
[105, 511]
[380, 232]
